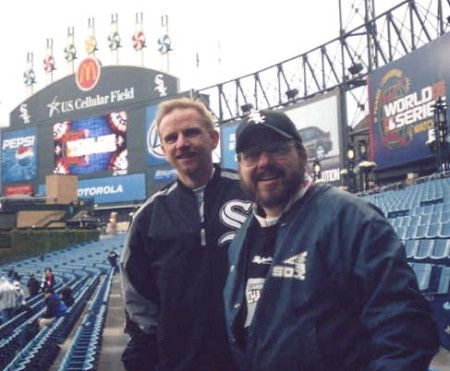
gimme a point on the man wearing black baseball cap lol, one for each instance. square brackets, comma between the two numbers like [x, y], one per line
[277, 122]
[274, 134]
[318, 278]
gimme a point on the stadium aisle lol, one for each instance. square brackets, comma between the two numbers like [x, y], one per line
[114, 339]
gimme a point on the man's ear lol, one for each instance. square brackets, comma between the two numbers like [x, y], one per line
[215, 138]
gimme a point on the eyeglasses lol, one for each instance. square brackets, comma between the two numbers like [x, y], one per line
[276, 150]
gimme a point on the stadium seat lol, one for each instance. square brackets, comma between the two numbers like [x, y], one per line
[405, 220]
[424, 249]
[445, 216]
[420, 232]
[445, 230]
[441, 250]
[423, 274]
[444, 283]
[436, 217]
[426, 219]
[401, 232]
[433, 230]
[412, 232]
[411, 247]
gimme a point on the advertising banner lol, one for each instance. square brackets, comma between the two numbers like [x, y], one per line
[92, 89]
[318, 124]
[402, 96]
[19, 155]
[128, 188]
[24, 189]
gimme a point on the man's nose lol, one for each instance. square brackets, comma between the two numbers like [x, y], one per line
[264, 159]
[182, 141]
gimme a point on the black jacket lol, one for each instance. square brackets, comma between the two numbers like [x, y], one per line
[173, 283]
[33, 286]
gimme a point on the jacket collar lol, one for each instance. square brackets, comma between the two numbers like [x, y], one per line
[214, 176]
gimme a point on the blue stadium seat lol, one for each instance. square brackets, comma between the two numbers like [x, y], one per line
[395, 222]
[445, 230]
[435, 278]
[401, 232]
[405, 221]
[411, 232]
[420, 232]
[423, 274]
[436, 217]
[424, 250]
[433, 230]
[426, 219]
[441, 250]
[411, 247]
[445, 216]
[444, 283]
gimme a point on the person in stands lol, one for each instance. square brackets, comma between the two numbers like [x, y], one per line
[66, 294]
[48, 279]
[112, 258]
[54, 308]
[10, 300]
[33, 285]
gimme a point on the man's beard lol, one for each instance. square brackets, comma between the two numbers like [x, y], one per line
[282, 195]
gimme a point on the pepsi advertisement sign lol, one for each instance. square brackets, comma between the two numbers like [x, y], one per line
[19, 155]
[402, 98]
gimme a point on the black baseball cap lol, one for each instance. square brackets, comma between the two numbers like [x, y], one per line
[276, 121]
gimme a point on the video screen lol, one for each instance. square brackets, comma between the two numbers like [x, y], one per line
[92, 144]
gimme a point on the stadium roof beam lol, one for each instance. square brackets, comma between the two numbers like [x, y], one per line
[379, 40]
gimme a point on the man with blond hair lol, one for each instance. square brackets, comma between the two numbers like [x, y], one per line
[174, 261]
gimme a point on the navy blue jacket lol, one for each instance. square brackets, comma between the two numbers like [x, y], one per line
[339, 294]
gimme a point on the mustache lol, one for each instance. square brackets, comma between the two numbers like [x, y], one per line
[268, 172]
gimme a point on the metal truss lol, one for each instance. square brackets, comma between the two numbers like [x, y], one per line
[379, 40]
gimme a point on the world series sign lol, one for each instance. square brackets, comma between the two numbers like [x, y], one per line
[402, 98]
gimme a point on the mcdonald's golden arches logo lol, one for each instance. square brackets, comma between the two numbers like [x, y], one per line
[88, 73]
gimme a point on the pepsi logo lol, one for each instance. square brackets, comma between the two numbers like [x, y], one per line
[24, 156]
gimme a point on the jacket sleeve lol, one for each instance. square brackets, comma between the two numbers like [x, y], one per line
[140, 312]
[403, 332]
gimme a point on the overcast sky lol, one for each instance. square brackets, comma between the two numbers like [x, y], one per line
[231, 38]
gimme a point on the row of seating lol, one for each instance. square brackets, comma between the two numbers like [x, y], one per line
[83, 267]
[420, 215]
[432, 250]
[15, 348]
[424, 196]
[414, 232]
[441, 217]
[432, 278]
[84, 351]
